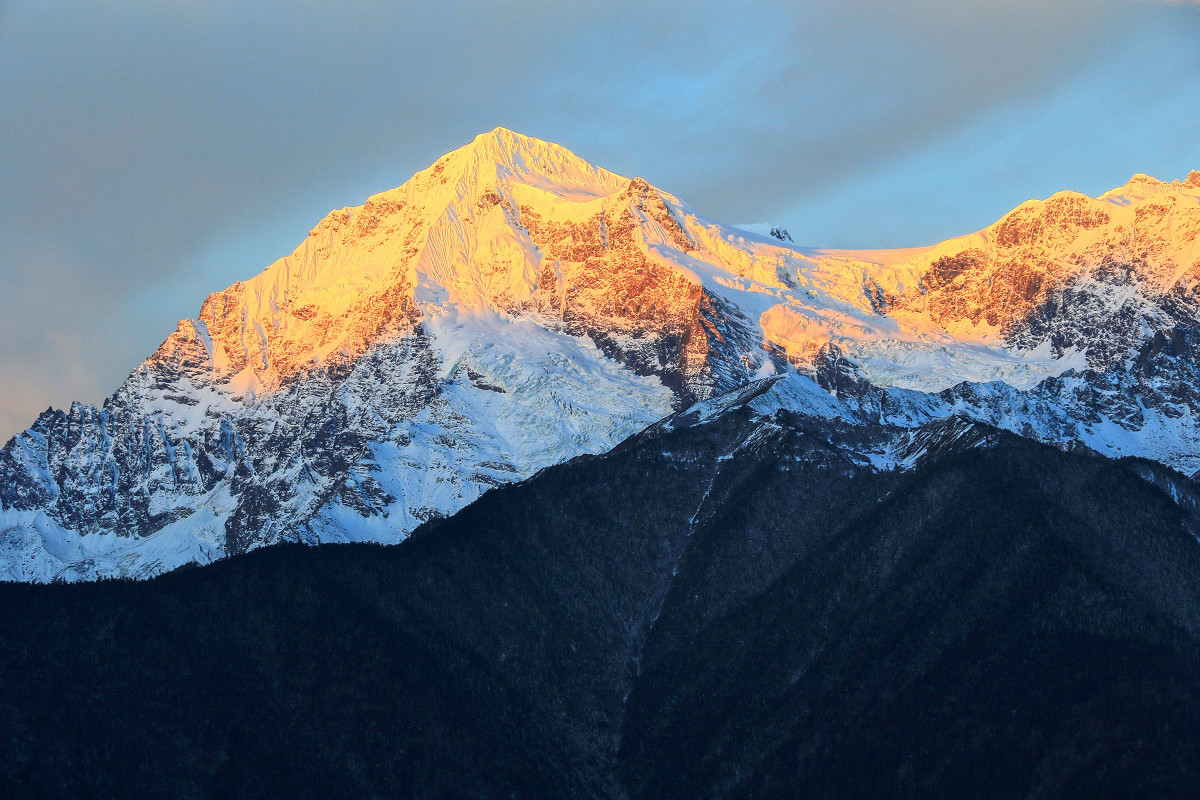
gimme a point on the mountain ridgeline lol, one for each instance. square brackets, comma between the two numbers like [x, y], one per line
[513, 306]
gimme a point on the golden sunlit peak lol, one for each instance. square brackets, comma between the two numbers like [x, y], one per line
[507, 147]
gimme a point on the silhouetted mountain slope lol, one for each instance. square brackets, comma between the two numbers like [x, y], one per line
[738, 606]
[1006, 624]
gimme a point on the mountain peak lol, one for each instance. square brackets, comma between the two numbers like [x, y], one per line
[502, 155]
[513, 305]
[511, 139]
[506, 143]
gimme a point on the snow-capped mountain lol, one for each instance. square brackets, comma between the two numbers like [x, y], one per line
[513, 306]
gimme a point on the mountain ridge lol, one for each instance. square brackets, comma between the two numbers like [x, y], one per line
[513, 305]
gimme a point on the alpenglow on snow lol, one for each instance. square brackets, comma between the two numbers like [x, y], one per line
[513, 306]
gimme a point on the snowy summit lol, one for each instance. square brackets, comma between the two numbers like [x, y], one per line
[513, 306]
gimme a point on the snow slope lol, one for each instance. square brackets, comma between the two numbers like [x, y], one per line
[513, 306]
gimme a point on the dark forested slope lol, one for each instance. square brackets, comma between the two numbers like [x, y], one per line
[740, 608]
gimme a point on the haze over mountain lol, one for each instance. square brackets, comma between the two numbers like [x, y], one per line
[513, 306]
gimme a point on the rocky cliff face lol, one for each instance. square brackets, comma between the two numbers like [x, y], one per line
[1073, 273]
[1107, 284]
[513, 306]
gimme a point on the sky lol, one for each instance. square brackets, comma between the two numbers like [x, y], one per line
[152, 151]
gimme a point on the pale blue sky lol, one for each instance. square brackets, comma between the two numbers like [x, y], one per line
[152, 152]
